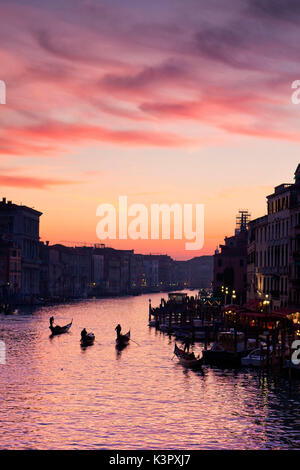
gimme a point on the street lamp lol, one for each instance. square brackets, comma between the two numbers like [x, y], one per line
[266, 304]
[226, 293]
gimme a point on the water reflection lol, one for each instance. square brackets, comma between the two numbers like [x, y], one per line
[55, 394]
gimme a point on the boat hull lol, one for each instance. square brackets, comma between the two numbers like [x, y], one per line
[253, 362]
[59, 330]
[196, 364]
[224, 357]
[185, 360]
[88, 340]
[123, 340]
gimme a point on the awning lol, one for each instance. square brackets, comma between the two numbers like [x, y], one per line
[253, 304]
[272, 316]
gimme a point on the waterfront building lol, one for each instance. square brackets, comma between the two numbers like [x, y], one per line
[166, 274]
[200, 272]
[10, 270]
[181, 273]
[195, 273]
[150, 271]
[116, 270]
[294, 279]
[274, 249]
[97, 264]
[66, 272]
[137, 282]
[230, 263]
[20, 224]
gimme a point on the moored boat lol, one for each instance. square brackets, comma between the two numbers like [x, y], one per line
[187, 359]
[261, 357]
[228, 349]
[256, 358]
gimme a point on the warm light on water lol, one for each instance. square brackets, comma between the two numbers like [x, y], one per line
[55, 395]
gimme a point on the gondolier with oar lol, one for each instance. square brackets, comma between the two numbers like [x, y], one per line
[187, 344]
[122, 340]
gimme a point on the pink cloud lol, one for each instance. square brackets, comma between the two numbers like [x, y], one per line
[91, 80]
[32, 182]
[51, 138]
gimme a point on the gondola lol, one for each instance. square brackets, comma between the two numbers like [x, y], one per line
[59, 330]
[188, 359]
[87, 340]
[123, 340]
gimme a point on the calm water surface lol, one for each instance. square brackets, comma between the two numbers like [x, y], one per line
[54, 394]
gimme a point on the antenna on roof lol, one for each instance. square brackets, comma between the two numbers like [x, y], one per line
[242, 220]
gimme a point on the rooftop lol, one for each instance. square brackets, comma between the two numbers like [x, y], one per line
[9, 205]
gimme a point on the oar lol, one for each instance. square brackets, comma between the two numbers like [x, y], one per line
[134, 341]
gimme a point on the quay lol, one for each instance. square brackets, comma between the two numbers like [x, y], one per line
[197, 316]
[266, 338]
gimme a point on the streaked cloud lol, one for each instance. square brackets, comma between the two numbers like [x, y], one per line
[31, 182]
[95, 80]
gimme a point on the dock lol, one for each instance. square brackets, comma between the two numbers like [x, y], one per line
[203, 318]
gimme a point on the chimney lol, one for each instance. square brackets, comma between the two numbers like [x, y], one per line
[4, 200]
[47, 242]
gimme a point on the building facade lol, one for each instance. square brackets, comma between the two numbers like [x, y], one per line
[10, 270]
[230, 263]
[200, 272]
[274, 249]
[66, 272]
[20, 224]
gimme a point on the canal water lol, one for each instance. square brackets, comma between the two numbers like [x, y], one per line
[55, 395]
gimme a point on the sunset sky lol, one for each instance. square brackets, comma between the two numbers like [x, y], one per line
[166, 101]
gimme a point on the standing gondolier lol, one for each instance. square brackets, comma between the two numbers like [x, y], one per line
[187, 343]
[118, 330]
[122, 340]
